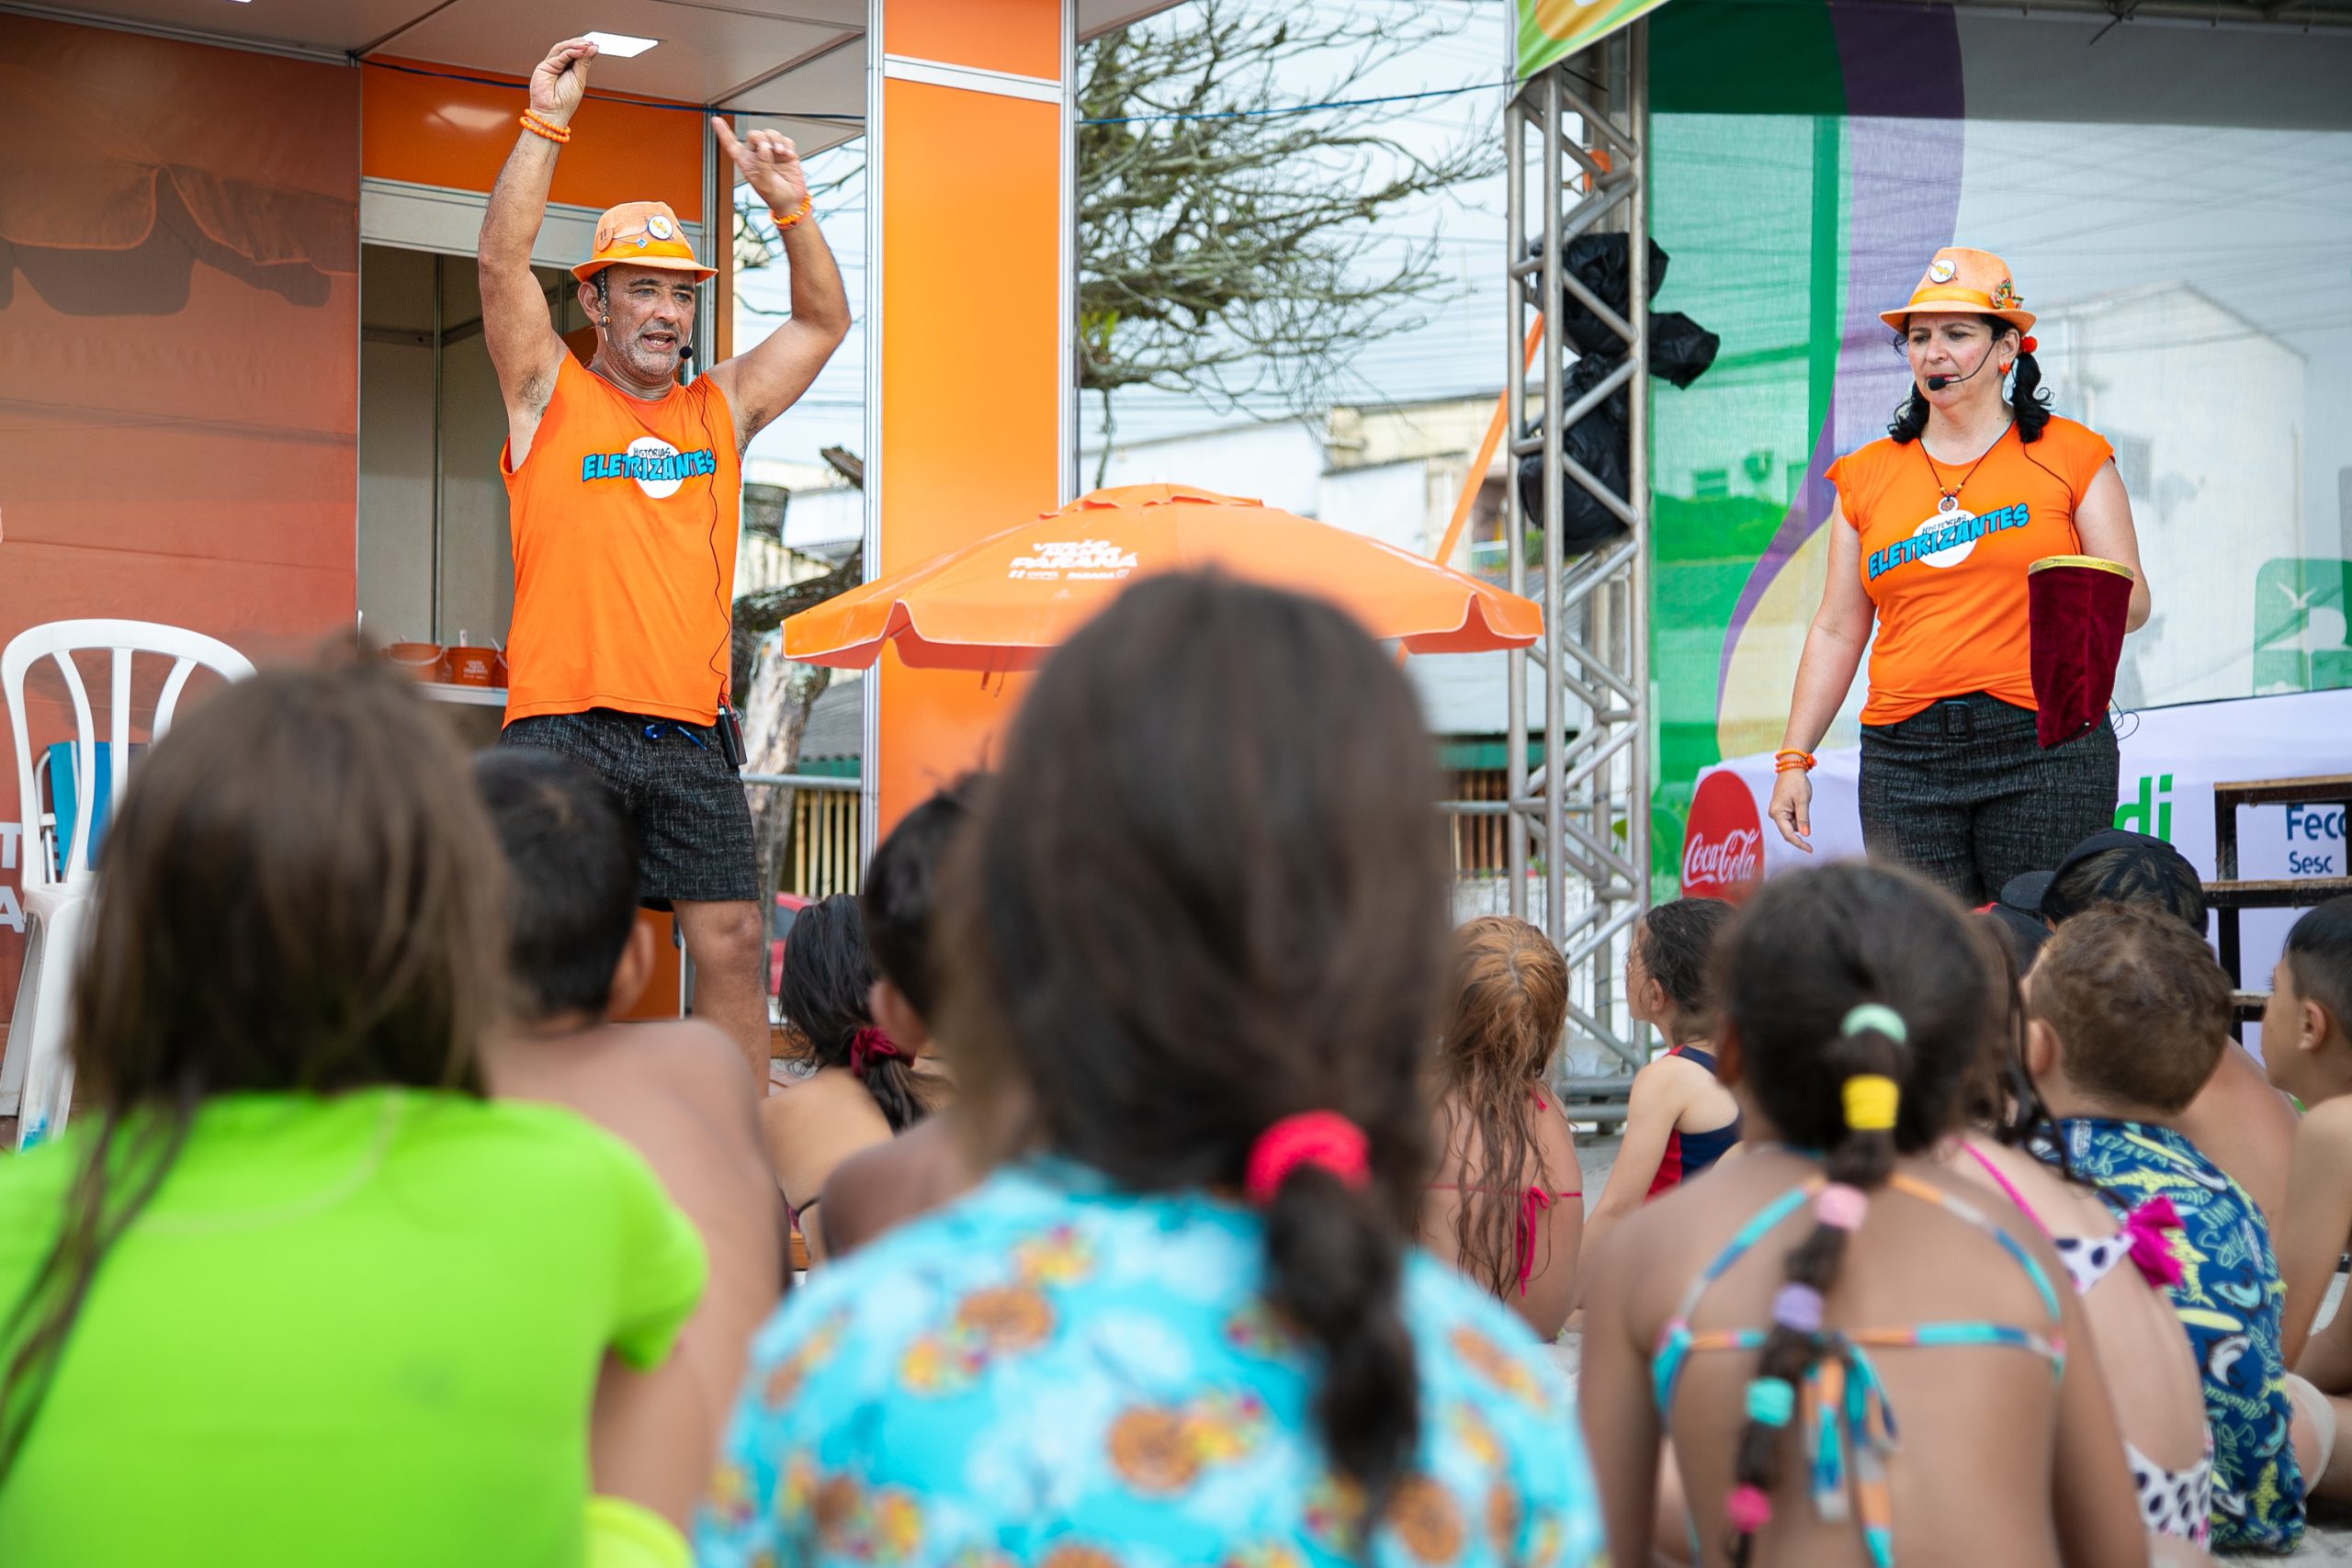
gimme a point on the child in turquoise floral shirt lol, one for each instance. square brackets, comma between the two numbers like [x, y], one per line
[1195, 949]
[2128, 1015]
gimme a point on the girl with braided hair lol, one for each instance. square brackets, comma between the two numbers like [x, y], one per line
[1770, 1323]
[1193, 991]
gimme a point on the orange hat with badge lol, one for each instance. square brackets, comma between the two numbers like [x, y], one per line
[642, 233]
[1960, 282]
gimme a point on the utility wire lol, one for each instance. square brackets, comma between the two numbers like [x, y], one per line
[1302, 109]
[860, 119]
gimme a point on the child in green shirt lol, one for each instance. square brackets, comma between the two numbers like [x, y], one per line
[290, 1291]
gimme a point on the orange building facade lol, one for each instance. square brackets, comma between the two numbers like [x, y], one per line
[242, 384]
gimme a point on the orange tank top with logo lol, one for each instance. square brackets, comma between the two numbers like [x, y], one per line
[624, 516]
[1949, 585]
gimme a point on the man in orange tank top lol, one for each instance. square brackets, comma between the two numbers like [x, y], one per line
[623, 488]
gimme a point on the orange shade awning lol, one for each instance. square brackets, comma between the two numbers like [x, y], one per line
[1007, 601]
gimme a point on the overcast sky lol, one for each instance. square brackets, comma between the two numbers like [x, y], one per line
[1458, 350]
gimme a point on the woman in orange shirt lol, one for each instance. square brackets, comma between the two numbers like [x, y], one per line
[1934, 528]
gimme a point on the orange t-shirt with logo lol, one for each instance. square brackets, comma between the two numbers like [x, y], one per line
[623, 515]
[1949, 587]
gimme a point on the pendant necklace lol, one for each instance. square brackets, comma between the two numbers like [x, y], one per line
[1950, 503]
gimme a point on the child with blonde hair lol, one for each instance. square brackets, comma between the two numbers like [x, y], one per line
[1507, 1208]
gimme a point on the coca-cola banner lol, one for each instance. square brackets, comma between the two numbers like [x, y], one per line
[1723, 848]
[2172, 758]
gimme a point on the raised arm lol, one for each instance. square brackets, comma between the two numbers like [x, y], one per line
[1833, 651]
[523, 348]
[765, 380]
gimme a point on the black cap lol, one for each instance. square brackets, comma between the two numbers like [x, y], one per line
[2147, 869]
[2022, 927]
[2024, 890]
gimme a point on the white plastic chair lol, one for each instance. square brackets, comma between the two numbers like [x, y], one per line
[37, 1074]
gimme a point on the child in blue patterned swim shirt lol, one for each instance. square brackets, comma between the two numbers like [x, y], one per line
[1194, 945]
[2129, 1014]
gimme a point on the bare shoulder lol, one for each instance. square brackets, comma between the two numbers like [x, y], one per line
[888, 1184]
[701, 1059]
[1670, 1082]
[2069, 1210]
[829, 1098]
[2327, 1128]
[1640, 1266]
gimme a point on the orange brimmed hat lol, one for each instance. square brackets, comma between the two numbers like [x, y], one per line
[1960, 282]
[642, 233]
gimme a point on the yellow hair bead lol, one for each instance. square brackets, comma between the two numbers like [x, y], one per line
[1870, 1102]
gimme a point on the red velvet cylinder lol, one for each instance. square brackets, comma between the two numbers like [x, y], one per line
[2075, 607]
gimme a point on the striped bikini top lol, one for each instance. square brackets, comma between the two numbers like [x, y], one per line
[1847, 1429]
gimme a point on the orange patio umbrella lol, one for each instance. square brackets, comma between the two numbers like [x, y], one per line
[1007, 601]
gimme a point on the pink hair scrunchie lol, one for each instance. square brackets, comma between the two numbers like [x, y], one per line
[1749, 1509]
[1322, 1138]
[866, 1044]
[1840, 1207]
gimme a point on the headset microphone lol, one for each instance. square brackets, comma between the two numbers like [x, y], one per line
[1937, 383]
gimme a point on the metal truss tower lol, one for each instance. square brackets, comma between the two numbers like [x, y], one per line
[1576, 142]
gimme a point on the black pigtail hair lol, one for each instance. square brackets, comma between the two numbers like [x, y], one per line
[1860, 1159]
[2028, 403]
[1910, 418]
[896, 1090]
[1335, 1267]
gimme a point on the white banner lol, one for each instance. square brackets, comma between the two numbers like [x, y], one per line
[2172, 758]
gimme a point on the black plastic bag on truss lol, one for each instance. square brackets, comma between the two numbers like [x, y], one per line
[1598, 443]
[1598, 262]
[1681, 349]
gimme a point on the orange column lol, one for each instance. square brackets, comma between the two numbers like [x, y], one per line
[968, 415]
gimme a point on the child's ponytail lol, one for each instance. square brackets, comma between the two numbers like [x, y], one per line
[1868, 1060]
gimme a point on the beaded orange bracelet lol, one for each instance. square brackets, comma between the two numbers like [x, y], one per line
[782, 222]
[1791, 761]
[547, 128]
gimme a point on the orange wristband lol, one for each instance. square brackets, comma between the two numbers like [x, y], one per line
[1790, 762]
[547, 128]
[782, 222]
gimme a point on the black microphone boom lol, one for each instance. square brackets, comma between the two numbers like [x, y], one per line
[1937, 383]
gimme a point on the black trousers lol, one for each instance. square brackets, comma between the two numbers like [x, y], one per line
[1962, 793]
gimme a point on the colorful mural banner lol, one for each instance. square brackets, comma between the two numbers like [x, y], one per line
[1551, 30]
[1807, 161]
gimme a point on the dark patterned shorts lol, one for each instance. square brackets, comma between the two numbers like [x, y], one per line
[1963, 793]
[678, 788]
